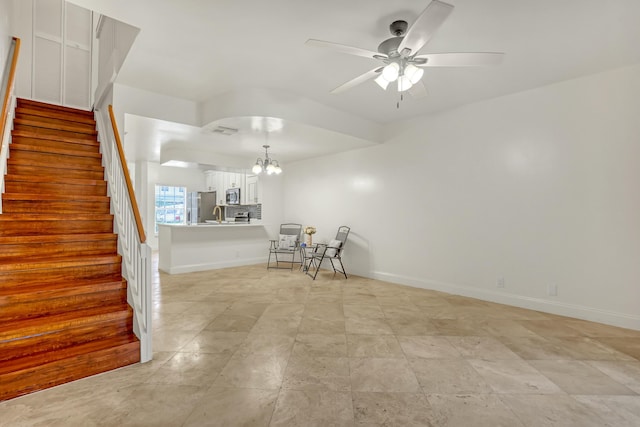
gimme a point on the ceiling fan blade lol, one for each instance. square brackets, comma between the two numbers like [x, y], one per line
[360, 79]
[350, 50]
[478, 59]
[418, 90]
[425, 26]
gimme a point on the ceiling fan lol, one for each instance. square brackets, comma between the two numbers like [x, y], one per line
[399, 54]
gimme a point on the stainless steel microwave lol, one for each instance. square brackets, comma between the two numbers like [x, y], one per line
[233, 196]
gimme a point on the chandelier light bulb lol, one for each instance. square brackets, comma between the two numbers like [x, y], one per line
[413, 73]
[391, 72]
[257, 169]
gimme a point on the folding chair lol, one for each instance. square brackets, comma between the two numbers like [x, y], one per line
[331, 251]
[287, 245]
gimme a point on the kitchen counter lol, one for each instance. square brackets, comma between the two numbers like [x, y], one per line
[198, 247]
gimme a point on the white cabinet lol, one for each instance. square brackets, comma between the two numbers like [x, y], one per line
[252, 193]
[210, 179]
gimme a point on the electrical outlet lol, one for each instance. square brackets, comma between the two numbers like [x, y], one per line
[552, 290]
[500, 283]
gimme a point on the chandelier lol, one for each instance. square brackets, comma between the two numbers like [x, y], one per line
[268, 165]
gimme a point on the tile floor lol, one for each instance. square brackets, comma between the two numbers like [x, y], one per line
[251, 347]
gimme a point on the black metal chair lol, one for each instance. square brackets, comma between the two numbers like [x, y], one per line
[331, 251]
[287, 245]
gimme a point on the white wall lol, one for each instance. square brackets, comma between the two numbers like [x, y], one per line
[538, 187]
[6, 12]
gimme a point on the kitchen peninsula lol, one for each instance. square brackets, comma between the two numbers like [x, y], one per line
[198, 247]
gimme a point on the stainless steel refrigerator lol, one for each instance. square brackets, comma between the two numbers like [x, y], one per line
[200, 206]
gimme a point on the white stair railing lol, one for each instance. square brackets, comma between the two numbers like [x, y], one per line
[136, 254]
[8, 108]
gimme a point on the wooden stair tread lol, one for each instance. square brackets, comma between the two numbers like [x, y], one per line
[24, 133]
[54, 180]
[60, 179]
[25, 327]
[52, 150]
[47, 167]
[54, 126]
[47, 262]
[54, 197]
[53, 290]
[57, 238]
[23, 102]
[54, 217]
[57, 114]
[69, 352]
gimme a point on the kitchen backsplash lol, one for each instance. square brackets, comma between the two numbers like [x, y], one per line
[255, 211]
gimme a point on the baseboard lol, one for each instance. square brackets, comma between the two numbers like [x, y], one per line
[191, 268]
[563, 309]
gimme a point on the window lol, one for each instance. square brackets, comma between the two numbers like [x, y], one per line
[170, 205]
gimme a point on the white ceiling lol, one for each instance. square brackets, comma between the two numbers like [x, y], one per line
[199, 50]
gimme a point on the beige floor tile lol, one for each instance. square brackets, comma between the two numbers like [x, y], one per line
[484, 410]
[317, 373]
[328, 311]
[428, 347]
[363, 311]
[280, 345]
[283, 310]
[534, 348]
[215, 342]
[313, 408]
[576, 377]
[583, 348]
[311, 325]
[460, 327]
[550, 328]
[320, 345]
[232, 323]
[626, 373]
[552, 411]
[254, 370]
[223, 407]
[481, 348]
[391, 375]
[153, 405]
[501, 328]
[384, 346]
[514, 376]
[196, 369]
[277, 326]
[392, 409]
[409, 325]
[616, 411]
[367, 326]
[629, 346]
[171, 339]
[598, 330]
[455, 376]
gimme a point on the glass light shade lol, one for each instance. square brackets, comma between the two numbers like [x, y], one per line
[382, 82]
[413, 73]
[278, 170]
[391, 72]
[270, 168]
[404, 83]
[256, 168]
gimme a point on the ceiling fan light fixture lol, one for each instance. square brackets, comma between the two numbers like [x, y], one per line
[391, 72]
[382, 82]
[404, 83]
[413, 73]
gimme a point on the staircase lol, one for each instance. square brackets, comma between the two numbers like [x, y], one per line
[63, 301]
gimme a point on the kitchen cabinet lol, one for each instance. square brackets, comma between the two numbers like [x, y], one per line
[252, 192]
[210, 179]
